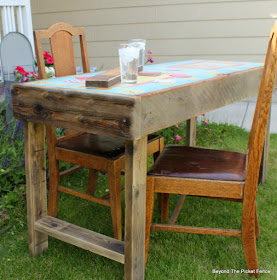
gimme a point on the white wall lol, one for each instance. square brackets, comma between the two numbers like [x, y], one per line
[174, 29]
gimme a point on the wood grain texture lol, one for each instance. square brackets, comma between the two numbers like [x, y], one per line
[255, 150]
[114, 179]
[135, 199]
[186, 102]
[197, 230]
[35, 164]
[118, 115]
[264, 163]
[224, 189]
[105, 80]
[63, 53]
[87, 160]
[97, 243]
[54, 171]
[111, 115]
[164, 205]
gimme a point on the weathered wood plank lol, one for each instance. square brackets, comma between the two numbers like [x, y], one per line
[135, 199]
[105, 80]
[118, 115]
[186, 102]
[86, 239]
[113, 115]
[35, 164]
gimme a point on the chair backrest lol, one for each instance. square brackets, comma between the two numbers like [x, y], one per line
[16, 16]
[261, 116]
[60, 35]
[16, 50]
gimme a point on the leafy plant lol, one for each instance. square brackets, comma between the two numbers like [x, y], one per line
[23, 76]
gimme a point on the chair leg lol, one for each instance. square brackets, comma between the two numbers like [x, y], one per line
[155, 156]
[92, 180]
[114, 178]
[257, 227]
[163, 205]
[54, 181]
[149, 213]
[54, 172]
[249, 240]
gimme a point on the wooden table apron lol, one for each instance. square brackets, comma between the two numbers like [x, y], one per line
[131, 117]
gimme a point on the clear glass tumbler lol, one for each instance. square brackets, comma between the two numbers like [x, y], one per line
[128, 60]
[141, 43]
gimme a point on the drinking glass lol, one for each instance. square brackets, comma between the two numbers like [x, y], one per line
[128, 60]
[141, 43]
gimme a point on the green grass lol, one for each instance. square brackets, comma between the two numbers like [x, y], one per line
[171, 255]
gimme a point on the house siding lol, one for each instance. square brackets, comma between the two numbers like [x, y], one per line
[174, 30]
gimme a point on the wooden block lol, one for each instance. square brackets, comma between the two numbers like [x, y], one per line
[86, 239]
[106, 79]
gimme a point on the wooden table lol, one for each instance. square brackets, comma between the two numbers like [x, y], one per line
[184, 90]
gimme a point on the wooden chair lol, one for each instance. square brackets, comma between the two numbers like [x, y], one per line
[98, 153]
[217, 174]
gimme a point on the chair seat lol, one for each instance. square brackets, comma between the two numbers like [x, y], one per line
[199, 163]
[98, 145]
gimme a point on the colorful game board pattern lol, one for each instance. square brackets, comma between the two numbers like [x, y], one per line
[172, 74]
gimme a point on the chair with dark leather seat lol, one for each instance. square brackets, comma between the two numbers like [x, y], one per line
[217, 174]
[98, 153]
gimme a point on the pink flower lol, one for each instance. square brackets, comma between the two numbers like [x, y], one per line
[178, 137]
[32, 73]
[176, 125]
[205, 121]
[20, 70]
[149, 52]
[49, 60]
[25, 73]
[46, 55]
[151, 59]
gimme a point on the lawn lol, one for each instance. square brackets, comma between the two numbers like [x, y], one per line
[171, 255]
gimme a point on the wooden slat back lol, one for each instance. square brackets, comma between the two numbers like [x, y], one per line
[63, 53]
[60, 36]
[259, 125]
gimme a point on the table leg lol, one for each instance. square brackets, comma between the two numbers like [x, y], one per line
[135, 195]
[35, 164]
[191, 132]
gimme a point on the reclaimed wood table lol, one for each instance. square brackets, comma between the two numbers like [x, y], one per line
[182, 91]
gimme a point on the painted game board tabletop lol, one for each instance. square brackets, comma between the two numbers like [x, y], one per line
[173, 74]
